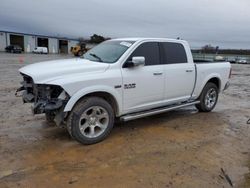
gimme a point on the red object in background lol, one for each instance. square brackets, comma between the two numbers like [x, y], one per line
[21, 59]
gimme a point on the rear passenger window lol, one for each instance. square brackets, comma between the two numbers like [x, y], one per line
[173, 53]
[149, 50]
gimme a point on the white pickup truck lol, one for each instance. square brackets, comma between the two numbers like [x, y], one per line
[121, 79]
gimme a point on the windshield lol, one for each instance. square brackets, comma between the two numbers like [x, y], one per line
[108, 51]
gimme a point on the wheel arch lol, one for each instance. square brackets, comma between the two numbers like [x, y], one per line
[213, 78]
[216, 81]
[106, 96]
[112, 98]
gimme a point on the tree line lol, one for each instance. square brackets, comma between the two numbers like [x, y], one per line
[94, 39]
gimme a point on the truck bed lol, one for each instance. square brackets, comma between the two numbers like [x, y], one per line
[205, 69]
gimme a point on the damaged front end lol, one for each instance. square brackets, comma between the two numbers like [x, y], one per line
[48, 99]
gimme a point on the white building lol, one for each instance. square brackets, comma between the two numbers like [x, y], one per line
[29, 41]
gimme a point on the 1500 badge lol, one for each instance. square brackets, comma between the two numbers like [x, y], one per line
[129, 86]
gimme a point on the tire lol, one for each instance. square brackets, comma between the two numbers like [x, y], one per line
[80, 53]
[208, 98]
[91, 120]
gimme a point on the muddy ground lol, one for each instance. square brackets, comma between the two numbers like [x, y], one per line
[176, 149]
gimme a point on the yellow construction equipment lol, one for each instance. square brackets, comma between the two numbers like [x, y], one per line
[79, 49]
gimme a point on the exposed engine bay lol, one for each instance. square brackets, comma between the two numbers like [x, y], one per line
[48, 99]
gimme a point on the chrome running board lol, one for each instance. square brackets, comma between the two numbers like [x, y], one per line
[137, 115]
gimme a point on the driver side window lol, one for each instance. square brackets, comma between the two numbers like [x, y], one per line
[149, 50]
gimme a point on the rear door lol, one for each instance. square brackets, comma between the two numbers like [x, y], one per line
[143, 86]
[179, 73]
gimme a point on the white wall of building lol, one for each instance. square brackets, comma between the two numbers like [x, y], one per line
[8, 38]
[29, 43]
[2, 41]
[53, 45]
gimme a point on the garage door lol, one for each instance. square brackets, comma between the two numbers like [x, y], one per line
[17, 40]
[63, 46]
[43, 42]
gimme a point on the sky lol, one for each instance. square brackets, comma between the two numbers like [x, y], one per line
[223, 23]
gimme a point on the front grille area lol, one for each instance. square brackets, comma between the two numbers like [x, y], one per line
[46, 92]
[28, 83]
[45, 97]
[28, 87]
[35, 92]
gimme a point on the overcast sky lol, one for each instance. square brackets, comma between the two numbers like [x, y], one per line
[225, 23]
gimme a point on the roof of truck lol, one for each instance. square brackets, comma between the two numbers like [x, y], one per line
[144, 38]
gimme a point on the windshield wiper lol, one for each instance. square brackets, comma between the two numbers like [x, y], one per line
[96, 56]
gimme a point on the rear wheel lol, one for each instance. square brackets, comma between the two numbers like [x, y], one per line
[91, 120]
[208, 98]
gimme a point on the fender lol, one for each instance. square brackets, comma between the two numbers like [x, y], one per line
[98, 88]
[205, 80]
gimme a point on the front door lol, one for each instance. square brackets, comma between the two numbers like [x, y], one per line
[143, 86]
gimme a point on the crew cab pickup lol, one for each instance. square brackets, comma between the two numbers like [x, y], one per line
[121, 79]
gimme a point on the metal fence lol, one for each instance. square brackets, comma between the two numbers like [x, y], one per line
[226, 57]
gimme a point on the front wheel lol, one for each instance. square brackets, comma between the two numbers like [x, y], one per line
[91, 120]
[208, 98]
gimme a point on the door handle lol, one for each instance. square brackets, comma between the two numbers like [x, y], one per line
[157, 73]
[189, 70]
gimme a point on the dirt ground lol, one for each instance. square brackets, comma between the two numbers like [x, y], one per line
[176, 149]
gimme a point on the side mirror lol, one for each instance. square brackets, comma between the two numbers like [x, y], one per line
[136, 61]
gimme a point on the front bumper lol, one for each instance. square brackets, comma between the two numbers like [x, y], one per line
[47, 106]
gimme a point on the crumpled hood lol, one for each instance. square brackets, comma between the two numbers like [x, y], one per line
[51, 70]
